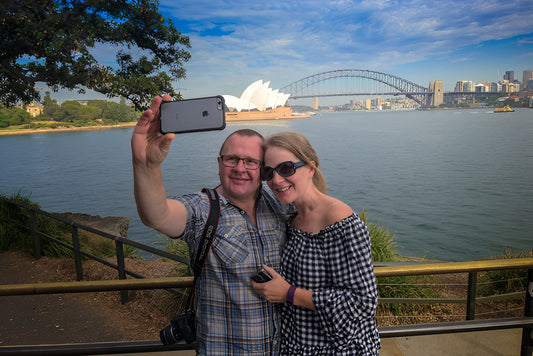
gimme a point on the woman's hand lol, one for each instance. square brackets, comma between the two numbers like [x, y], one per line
[275, 291]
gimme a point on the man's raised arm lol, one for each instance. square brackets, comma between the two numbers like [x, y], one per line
[149, 148]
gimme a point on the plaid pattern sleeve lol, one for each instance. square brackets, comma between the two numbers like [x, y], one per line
[336, 264]
[231, 318]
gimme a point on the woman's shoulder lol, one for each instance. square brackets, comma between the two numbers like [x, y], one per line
[336, 210]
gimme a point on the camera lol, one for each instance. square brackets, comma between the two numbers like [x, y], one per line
[262, 276]
[182, 327]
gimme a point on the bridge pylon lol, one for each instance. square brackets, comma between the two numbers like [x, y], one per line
[315, 102]
[436, 94]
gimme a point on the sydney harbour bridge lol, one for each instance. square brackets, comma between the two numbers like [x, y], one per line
[360, 82]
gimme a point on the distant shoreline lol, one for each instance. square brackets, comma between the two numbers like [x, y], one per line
[66, 129]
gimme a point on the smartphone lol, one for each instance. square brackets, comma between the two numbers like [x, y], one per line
[192, 115]
[262, 276]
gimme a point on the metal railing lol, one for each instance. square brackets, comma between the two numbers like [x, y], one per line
[78, 253]
[525, 322]
[472, 268]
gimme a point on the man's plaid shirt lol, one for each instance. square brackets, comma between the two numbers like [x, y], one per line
[231, 318]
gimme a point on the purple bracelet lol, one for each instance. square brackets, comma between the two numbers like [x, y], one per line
[290, 295]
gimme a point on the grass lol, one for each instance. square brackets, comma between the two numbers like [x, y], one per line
[505, 281]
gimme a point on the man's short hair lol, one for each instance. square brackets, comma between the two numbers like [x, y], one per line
[242, 132]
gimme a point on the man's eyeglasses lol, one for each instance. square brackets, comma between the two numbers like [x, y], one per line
[284, 169]
[233, 161]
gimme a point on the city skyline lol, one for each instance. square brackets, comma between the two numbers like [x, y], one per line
[235, 43]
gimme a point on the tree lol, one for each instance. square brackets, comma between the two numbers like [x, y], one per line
[119, 112]
[50, 106]
[74, 112]
[51, 41]
[13, 116]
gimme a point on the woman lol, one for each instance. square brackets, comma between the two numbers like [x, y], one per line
[328, 288]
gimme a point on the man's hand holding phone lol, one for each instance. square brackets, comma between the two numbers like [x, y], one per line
[149, 146]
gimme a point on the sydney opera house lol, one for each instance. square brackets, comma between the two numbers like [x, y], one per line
[259, 102]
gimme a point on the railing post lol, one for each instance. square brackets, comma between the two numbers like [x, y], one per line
[119, 246]
[527, 333]
[471, 296]
[36, 241]
[76, 251]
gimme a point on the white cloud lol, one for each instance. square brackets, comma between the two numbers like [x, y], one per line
[236, 42]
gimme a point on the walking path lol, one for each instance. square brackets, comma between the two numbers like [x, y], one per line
[64, 318]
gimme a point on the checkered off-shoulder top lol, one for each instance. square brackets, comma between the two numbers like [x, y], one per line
[336, 265]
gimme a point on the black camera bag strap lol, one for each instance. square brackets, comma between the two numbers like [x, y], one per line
[186, 321]
[208, 234]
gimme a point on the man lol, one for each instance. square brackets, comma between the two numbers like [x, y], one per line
[231, 318]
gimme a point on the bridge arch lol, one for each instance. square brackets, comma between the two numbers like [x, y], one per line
[312, 86]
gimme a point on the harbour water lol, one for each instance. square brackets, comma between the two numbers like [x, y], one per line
[453, 185]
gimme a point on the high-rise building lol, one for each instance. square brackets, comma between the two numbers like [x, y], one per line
[481, 88]
[465, 86]
[510, 87]
[509, 75]
[526, 76]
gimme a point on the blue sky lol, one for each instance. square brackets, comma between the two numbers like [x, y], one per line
[237, 42]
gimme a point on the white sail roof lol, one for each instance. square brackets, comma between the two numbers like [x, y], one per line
[249, 91]
[272, 98]
[237, 103]
[257, 95]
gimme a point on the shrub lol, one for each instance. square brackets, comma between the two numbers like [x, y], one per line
[506, 281]
[383, 244]
[15, 232]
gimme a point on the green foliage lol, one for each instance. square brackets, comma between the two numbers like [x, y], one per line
[508, 280]
[111, 111]
[15, 224]
[138, 78]
[51, 41]
[73, 113]
[12, 235]
[180, 248]
[13, 116]
[50, 106]
[405, 287]
[383, 244]
[15, 232]
[93, 243]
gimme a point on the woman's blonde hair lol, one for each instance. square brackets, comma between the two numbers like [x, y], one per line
[299, 145]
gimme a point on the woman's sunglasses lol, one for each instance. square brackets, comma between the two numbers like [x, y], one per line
[284, 169]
